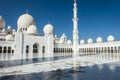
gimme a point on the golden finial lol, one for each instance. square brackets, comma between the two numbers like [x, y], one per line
[27, 11]
[48, 22]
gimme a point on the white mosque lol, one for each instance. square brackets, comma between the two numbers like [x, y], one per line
[26, 43]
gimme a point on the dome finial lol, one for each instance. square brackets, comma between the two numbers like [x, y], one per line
[74, 1]
[48, 22]
[27, 11]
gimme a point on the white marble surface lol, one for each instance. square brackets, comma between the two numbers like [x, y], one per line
[53, 65]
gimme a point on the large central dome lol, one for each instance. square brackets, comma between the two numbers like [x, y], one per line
[24, 21]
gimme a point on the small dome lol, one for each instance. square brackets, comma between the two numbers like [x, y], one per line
[55, 36]
[9, 27]
[2, 23]
[63, 34]
[48, 29]
[90, 41]
[14, 30]
[110, 38]
[69, 42]
[25, 21]
[99, 40]
[82, 42]
[3, 30]
[9, 37]
[9, 30]
[32, 30]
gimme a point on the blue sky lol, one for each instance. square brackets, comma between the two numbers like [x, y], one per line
[96, 17]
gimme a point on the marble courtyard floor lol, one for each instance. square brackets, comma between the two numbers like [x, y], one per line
[79, 68]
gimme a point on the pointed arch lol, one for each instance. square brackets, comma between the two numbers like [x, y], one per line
[27, 48]
[5, 50]
[0, 49]
[43, 49]
[9, 49]
[35, 48]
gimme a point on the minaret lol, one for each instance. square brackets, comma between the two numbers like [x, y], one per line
[75, 29]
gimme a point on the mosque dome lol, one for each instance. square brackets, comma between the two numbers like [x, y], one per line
[69, 42]
[48, 29]
[99, 40]
[9, 27]
[63, 35]
[55, 36]
[3, 30]
[32, 30]
[14, 30]
[82, 41]
[110, 38]
[25, 21]
[2, 23]
[9, 30]
[9, 37]
[90, 41]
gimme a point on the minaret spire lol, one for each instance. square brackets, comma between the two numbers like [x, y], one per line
[74, 1]
[75, 29]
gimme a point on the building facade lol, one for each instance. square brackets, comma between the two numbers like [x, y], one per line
[26, 43]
